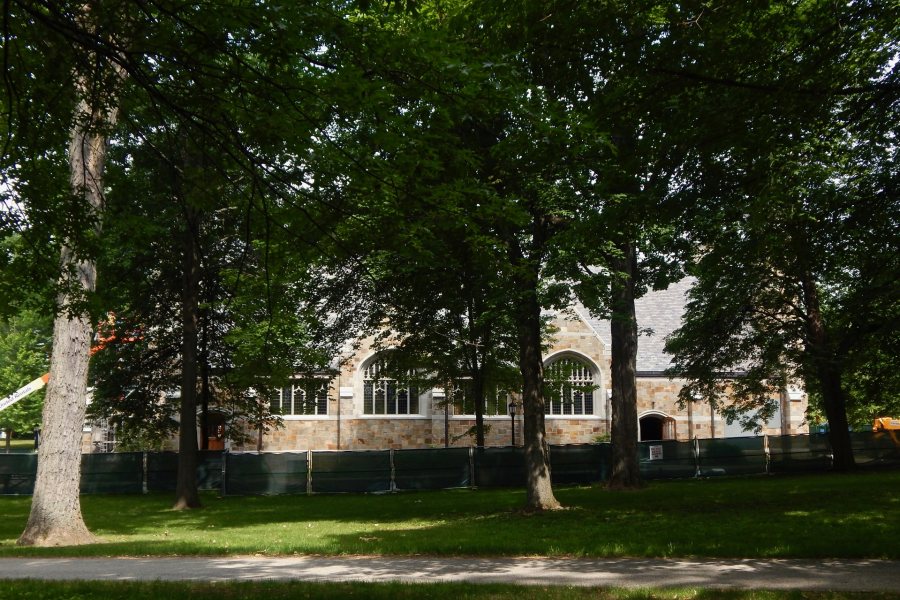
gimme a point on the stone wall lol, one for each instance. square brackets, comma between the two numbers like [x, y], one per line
[345, 427]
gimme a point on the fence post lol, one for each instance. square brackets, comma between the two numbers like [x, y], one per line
[309, 455]
[768, 454]
[696, 457]
[144, 472]
[224, 470]
[393, 483]
[471, 467]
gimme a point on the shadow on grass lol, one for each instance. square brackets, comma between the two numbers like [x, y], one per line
[548, 574]
[824, 516]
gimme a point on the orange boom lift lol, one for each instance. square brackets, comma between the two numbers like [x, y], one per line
[890, 426]
[106, 334]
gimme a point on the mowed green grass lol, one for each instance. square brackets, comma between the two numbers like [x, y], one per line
[18, 445]
[849, 516]
[25, 590]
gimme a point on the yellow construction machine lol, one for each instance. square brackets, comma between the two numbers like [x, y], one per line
[890, 426]
[886, 424]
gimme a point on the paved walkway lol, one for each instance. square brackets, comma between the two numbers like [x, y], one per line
[826, 575]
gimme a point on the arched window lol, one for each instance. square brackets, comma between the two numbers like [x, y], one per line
[304, 397]
[384, 395]
[570, 387]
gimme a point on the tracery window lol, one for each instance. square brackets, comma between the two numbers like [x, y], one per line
[304, 397]
[570, 387]
[385, 395]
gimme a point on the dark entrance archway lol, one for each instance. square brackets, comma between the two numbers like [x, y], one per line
[651, 428]
[215, 430]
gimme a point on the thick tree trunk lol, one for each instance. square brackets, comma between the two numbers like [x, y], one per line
[827, 372]
[478, 398]
[475, 357]
[477, 371]
[836, 411]
[186, 493]
[625, 470]
[205, 392]
[260, 430]
[55, 518]
[539, 490]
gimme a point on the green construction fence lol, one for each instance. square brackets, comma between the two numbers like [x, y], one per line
[322, 472]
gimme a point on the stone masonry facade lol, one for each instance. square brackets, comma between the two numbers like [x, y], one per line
[346, 427]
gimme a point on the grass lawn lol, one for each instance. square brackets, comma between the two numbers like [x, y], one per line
[24, 590]
[831, 515]
[18, 446]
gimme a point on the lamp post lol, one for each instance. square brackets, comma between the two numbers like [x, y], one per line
[512, 419]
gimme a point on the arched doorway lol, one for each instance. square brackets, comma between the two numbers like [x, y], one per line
[656, 427]
[215, 430]
[651, 428]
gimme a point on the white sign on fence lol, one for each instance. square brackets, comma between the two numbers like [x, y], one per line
[656, 452]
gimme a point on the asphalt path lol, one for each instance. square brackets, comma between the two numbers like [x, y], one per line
[837, 575]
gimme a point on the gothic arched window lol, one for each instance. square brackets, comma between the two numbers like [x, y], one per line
[385, 395]
[570, 387]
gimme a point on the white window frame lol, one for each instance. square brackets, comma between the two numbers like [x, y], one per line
[394, 394]
[568, 404]
[297, 387]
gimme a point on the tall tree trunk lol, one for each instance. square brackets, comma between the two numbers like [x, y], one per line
[827, 372]
[205, 391]
[539, 491]
[261, 427]
[478, 399]
[55, 518]
[625, 469]
[186, 493]
[476, 369]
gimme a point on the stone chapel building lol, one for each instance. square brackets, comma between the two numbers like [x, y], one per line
[362, 409]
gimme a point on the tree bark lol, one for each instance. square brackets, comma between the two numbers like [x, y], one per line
[186, 492]
[827, 372]
[205, 390]
[625, 469]
[260, 428]
[539, 491]
[477, 371]
[55, 518]
[478, 398]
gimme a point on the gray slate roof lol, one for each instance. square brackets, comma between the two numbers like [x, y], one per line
[657, 311]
